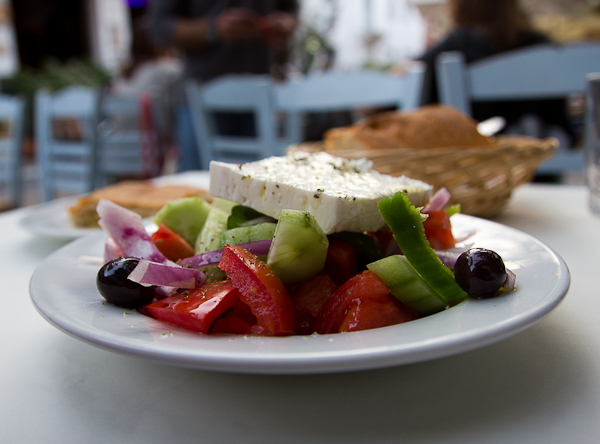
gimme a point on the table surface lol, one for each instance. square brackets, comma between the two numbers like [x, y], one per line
[540, 386]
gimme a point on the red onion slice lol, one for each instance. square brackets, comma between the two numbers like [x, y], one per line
[511, 280]
[438, 201]
[450, 255]
[259, 248]
[152, 273]
[127, 230]
[111, 250]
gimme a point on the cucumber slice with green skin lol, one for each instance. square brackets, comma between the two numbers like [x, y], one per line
[299, 247]
[184, 216]
[407, 285]
[209, 237]
[405, 221]
[242, 216]
[250, 233]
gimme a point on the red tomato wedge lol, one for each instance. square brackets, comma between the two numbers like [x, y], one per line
[231, 325]
[438, 230]
[196, 310]
[362, 303]
[261, 290]
[340, 262]
[378, 312]
[172, 245]
[309, 298]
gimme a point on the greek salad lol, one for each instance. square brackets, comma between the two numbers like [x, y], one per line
[306, 243]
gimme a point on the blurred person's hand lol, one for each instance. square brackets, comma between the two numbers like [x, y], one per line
[277, 27]
[237, 24]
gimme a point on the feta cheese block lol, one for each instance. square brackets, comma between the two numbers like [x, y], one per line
[341, 194]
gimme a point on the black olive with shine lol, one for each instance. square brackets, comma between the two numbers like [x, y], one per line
[480, 272]
[114, 286]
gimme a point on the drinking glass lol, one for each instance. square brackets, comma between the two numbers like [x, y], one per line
[592, 141]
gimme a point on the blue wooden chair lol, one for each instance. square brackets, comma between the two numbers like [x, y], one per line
[252, 94]
[65, 131]
[11, 121]
[537, 72]
[347, 90]
[127, 140]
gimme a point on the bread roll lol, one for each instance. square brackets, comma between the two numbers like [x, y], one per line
[432, 126]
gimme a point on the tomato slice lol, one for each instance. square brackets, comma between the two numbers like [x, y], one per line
[261, 290]
[362, 303]
[195, 310]
[379, 311]
[231, 325]
[438, 230]
[340, 262]
[172, 245]
[309, 298]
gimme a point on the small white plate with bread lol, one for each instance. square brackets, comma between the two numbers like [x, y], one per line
[75, 216]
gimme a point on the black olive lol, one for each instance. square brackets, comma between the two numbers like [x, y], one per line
[114, 286]
[480, 272]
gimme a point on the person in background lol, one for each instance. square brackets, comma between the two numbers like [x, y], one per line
[153, 70]
[485, 28]
[221, 37]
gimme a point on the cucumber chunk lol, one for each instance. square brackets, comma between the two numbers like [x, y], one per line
[242, 216]
[407, 285]
[209, 237]
[250, 233]
[299, 247]
[184, 216]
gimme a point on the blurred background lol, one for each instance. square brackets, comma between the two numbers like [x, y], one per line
[56, 43]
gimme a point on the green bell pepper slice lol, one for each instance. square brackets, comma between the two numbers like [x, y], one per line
[406, 223]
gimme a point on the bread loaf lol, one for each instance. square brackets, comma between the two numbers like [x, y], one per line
[432, 126]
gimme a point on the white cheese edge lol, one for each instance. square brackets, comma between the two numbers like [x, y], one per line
[343, 206]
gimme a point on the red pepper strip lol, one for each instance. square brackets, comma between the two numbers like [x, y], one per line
[195, 310]
[261, 290]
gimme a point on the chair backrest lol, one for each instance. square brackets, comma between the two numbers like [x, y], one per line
[536, 72]
[11, 136]
[128, 139]
[347, 90]
[251, 94]
[65, 130]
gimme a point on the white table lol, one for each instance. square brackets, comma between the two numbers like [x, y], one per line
[541, 386]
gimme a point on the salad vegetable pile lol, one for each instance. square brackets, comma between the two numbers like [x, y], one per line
[223, 267]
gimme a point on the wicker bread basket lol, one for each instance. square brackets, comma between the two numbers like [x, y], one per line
[480, 179]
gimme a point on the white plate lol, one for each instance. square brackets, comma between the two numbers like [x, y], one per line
[51, 219]
[63, 290]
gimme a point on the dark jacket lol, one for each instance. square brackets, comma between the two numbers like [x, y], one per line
[475, 45]
[245, 57]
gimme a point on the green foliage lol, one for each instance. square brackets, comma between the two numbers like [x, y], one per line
[55, 76]
[377, 66]
[309, 45]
